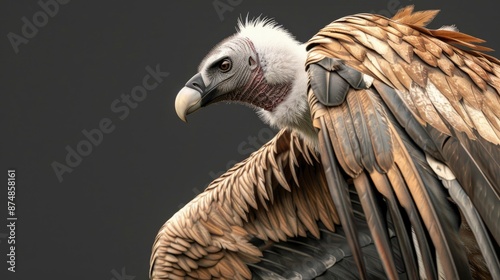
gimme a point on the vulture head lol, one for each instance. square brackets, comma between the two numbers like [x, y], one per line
[261, 66]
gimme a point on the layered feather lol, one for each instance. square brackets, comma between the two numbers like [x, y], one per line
[266, 196]
[432, 86]
[440, 81]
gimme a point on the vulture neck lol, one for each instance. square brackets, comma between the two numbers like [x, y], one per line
[293, 112]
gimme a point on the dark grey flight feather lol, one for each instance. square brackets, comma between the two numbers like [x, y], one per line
[338, 191]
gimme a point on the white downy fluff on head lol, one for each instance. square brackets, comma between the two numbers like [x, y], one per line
[279, 52]
[283, 59]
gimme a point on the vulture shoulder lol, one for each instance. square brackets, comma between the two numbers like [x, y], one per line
[412, 116]
[266, 197]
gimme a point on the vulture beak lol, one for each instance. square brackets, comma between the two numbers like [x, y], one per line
[194, 95]
[189, 98]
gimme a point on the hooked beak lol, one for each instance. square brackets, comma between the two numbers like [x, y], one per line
[189, 97]
[194, 95]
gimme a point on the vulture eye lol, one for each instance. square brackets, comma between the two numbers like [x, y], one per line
[225, 65]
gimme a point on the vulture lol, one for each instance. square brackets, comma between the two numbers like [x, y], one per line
[386, 164]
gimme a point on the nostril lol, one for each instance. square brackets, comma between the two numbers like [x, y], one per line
[196, 82]
[197, 86]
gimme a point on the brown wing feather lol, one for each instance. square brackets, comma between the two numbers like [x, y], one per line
[396, 157]
[460, 72]
[444, 86]
[209, 237]
[407, 16]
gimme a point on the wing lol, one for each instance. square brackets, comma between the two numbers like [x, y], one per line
[266, 197]
[409, 113]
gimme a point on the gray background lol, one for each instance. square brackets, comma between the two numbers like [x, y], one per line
[103, 217]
